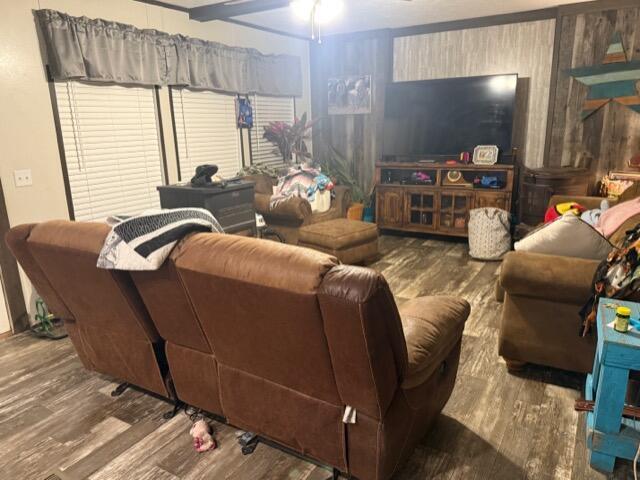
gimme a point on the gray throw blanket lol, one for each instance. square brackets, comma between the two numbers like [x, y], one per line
[144, 242]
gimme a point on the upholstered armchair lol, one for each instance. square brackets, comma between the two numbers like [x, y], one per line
[293, 213]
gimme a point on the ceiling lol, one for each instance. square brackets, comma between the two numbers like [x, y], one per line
[359, 15]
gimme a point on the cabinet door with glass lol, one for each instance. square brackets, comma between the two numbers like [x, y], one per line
[420, 209]
[454, 211]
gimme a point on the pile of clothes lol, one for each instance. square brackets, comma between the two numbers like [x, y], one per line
[617, 277]
[303, 182]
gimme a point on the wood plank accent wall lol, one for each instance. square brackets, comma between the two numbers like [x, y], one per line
[523, 48]
[356, 137]
[608, 138]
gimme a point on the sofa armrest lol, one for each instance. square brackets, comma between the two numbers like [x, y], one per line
[261, 203]
[548, 277]
[293, 209]
[342, 200]
[587, 202]
[432, 327]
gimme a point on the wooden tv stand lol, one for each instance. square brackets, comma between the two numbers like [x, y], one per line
[404, 203]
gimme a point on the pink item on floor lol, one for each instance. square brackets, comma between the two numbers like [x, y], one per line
[613, 218]
[202, 434]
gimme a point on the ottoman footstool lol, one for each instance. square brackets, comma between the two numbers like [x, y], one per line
[350, 241]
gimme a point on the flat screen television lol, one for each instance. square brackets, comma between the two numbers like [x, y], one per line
[448, 116]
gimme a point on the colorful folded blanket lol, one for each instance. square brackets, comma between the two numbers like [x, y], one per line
[301, 182]
[143, 242]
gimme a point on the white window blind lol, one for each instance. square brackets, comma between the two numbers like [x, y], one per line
[206, 131]
[267, 110]
[112, 148]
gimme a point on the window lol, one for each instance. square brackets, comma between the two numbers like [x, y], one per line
[112, 149]
[265, 111]
[206, 131]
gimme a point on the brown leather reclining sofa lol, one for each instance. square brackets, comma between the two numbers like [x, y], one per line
[277, 339]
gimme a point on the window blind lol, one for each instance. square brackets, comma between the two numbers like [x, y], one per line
[112, 148]
[206, 131]
[267, 110]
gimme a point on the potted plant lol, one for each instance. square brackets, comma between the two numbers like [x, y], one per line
[289, 139]
[337, 168]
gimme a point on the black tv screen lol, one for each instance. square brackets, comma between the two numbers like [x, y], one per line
[448, 116]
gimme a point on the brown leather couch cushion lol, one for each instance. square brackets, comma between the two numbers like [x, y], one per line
[256, 301]
[364, 332]
[192, 362]
[338, 234]
[169, 306]
[432, 326]
[68, 251]
[16, 239]
[561, 279]
[118, 335]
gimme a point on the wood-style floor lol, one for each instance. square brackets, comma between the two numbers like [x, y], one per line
[58, 419]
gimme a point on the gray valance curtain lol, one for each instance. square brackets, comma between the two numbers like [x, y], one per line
[80, 48]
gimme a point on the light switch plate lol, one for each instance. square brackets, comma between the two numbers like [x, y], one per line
[22, 178]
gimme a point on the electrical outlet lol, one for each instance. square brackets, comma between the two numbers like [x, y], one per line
[22, 178]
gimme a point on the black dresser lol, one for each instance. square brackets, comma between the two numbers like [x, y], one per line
[232, 205]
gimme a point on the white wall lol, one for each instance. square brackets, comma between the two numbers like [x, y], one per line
[5, 325]
[27, 131]
[523, 48]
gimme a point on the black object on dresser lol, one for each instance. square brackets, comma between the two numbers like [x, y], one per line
[232, 204]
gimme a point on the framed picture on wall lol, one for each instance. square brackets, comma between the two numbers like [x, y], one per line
[349, 95]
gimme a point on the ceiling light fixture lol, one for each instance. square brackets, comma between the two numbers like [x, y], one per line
[317, 13]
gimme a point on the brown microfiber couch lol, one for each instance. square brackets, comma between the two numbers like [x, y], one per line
[292, 214]
[279, 339]
[543, 295]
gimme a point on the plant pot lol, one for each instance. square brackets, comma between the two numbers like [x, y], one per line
[355, 211]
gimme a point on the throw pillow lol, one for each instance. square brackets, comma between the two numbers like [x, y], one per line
[568, 237]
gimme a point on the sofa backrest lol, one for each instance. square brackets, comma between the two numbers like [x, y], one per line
[16, 240]
[119, 336]
[257, 304]
[297, 338]
[263, 183]
[107, 299]
[169, 307]
[191, 359]
[365, 336]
